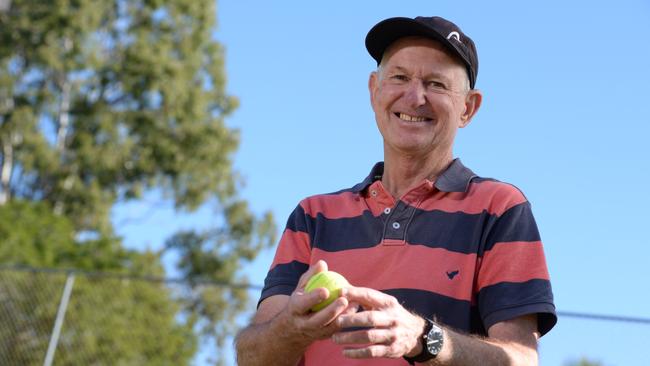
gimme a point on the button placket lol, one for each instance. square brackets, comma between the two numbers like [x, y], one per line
[398, 221]
[381, 202]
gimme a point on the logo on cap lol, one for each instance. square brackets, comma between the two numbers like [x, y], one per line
[454, 34]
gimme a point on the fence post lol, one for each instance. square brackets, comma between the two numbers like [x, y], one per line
[58, 323]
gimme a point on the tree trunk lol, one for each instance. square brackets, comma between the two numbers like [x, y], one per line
[62, 133]
[64, 116]
[63, 122]
[5, 173]
[64, 108]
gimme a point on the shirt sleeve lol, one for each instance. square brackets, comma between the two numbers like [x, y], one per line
[513, 278]
[292, 256]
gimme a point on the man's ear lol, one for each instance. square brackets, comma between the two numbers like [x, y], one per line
[373, 84]
[472, 104]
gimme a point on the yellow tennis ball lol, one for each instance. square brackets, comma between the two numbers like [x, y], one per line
[330, 280]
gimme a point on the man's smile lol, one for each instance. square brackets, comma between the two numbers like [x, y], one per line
[409, 118]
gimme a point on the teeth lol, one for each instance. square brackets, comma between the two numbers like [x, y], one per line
[406, 117]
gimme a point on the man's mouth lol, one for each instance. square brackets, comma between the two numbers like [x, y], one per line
[409, 118]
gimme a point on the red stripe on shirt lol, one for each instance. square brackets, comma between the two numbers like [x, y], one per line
[432, 265]
[494, 197]
[326, 352]
[294, 246]
[512, 262]
[334, 206]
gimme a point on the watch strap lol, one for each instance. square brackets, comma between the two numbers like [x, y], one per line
[424, 355]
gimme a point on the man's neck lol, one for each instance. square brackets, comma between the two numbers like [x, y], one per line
[403, 173]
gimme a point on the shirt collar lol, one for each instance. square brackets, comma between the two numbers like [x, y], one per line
[455, 178]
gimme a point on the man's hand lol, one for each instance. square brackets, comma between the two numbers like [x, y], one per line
[298, 316]
[284, 325]
[392, 331]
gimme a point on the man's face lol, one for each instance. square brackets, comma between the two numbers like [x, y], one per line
[420, 98]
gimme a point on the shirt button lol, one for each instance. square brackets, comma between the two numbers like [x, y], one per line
[396, 225]
[373, 193]
[387, 210]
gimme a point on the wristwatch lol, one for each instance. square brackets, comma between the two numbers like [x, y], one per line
[432, 340]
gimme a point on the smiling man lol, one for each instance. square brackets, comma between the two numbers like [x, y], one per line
[446, 268]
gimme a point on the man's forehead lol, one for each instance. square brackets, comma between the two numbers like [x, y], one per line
[415, 41]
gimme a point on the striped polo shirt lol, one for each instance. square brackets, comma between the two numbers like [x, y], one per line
[464, 250]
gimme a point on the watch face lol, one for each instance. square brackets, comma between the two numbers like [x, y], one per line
[434, 340]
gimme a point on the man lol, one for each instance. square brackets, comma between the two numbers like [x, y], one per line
[446, 268]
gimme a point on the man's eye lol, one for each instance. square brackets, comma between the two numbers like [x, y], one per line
[400, 77]
[436, 85]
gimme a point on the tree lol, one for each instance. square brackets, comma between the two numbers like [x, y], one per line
[109, 320]
[101, 101]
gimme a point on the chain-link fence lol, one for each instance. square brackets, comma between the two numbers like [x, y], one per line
[74, 318]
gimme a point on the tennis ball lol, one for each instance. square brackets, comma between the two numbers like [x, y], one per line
[330, 280]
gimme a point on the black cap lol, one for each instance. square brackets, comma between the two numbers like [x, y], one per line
[384, 33]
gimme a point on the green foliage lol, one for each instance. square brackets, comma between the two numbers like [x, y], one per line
[32, 235]
[124, 321]
[29, 304]
[214, 256]
[146, 332]
[101, 101]
[132, 95]
[108, 321]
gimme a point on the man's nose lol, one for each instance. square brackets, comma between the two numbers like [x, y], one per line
[416, 93]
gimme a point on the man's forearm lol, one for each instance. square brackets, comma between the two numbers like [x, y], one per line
[462, 349]
[269, 343]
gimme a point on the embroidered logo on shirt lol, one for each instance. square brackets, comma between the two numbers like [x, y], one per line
[452, 274]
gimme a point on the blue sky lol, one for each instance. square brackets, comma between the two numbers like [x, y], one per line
[565, 89]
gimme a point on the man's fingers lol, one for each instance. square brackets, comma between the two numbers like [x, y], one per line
[366, 336]
[373, 351]
[352, 308]
[368, 297]
[303, 302]
[319, 266]
[369, 318]
[328, 314]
